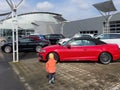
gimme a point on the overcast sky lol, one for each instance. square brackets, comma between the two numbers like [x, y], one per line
[70, 9]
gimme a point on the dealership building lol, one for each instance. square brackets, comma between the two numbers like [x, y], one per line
[46, 22]
[33, 22]
[94, 25]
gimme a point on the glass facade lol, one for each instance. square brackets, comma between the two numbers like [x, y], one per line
[29, 23]
[95, 32]
[115, 26]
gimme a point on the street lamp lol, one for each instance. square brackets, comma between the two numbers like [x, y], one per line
[105, 8]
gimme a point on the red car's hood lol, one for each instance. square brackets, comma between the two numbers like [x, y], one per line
[53, 47]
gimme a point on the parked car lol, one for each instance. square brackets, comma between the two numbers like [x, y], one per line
[2, 41]
[82, 49]
[110, 38]
[39, 38]
[83, 35]
[24, 44]
[63, 40]
[53, 38]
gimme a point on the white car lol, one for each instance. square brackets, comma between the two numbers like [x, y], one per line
[61, 41]
[110, 38]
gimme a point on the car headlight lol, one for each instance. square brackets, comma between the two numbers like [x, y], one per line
[42, 50]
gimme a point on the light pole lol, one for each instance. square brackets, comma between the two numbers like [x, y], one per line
[14, 29]
[105, 8]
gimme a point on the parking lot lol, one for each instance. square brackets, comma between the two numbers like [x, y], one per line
[69, 75]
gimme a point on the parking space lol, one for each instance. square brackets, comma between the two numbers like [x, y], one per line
[70, 75]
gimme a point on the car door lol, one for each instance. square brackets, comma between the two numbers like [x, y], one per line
[80, 50]
[31, 44]
[73, 51]
[27, 44]
[91, 50]
[23, 43]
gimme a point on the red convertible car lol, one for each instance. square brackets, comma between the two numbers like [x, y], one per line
[82, 49]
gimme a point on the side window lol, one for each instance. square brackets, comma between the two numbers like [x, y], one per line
[82, 43]
[23, 40]
[26, 40]
[87, 43]
[76, 43]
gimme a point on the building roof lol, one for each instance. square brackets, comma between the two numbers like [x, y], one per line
[40, 13]
[28, 20]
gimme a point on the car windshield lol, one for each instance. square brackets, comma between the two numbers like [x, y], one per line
[70, 42]
[42, 37]
[65, 43]
[54, 36]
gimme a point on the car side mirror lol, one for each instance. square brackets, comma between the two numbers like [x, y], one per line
[68, 46]
[98, 38]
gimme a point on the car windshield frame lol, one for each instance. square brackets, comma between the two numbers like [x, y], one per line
[97, 42]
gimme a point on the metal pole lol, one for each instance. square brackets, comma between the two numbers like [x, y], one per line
[14, 29]
[107, 26]
[17, 54]
[62, 24]
[13, 37]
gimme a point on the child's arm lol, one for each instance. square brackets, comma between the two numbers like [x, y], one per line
[47, 65]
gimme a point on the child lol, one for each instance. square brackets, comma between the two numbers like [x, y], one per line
[51, 68]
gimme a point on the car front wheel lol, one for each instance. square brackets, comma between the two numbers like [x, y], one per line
[7, 49]
[105, 58]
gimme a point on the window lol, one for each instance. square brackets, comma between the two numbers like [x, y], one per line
[52, 36]
[26, 40]
[76, 43]
[112, 36]
[81, 43]
[87, 43]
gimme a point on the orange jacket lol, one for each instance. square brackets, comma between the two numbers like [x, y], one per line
[51, 66]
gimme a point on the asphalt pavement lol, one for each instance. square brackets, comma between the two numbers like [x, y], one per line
[69, 75]
[9, 80]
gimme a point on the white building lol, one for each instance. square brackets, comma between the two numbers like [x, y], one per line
[46, 22]
[34, 22]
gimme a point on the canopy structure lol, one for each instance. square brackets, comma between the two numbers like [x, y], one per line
[3, 14]
[59, 18]
[62, 22]
[105, 8]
